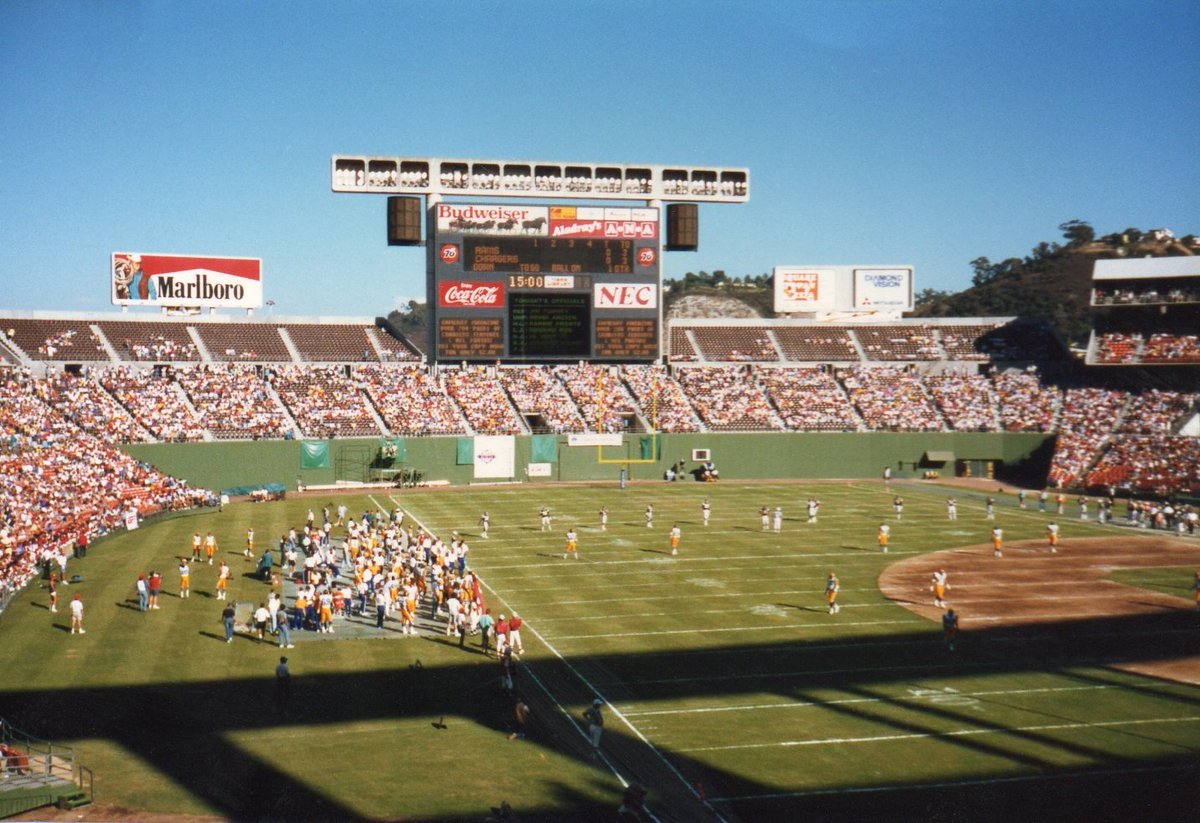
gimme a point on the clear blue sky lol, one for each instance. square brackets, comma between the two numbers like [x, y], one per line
[876, 132]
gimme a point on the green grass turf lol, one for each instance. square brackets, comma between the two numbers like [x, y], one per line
[1176, 581]
[722, 659]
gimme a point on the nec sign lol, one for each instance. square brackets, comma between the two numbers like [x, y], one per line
[625, 296]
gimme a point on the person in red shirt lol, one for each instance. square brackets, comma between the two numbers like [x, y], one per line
[514, 634]
[501, 632]
[155, 585]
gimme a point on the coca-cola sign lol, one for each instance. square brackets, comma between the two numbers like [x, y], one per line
[462, 294]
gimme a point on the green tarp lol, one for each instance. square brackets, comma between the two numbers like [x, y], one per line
[544, 448]
[314, 454]
[651, 447]
[465, 452]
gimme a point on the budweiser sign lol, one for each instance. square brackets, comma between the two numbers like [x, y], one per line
[456, 293]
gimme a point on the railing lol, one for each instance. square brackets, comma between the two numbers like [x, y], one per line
[39, 773]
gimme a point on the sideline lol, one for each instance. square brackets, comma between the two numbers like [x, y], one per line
[579, 675]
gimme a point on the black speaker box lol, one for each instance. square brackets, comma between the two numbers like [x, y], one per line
[404, 221]
[683, 227]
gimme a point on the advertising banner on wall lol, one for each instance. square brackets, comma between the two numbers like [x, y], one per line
[175, 280]
[883, 289]
[625, 296]
[494, 456]
[470, 295]
[612, 222]
[803, 289]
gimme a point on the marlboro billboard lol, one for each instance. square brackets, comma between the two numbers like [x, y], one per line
[175, 280]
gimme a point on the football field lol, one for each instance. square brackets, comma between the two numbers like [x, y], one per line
[730, 690]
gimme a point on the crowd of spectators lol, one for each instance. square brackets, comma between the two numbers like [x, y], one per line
[155, 402]
[1088, 416]
[960, 342]
[898, 343]
[1172, 348]
[538, 393]
[1026, 403]
[478, 393]
[1163, 514]
[59, 484]
[891, 399]
[234, 402]
[410, 400]
[1156, 463]
[1157, 412]
[324, 402]
[1145, 294]
[1118, 347]
[662, 400]
[602, 398]
[161, 348]
[59, 344]
[728, 398]
[85, 403]
[808, 399]
[965, 399]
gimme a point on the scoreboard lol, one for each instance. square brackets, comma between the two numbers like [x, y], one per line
[539, 255]
[544, 283]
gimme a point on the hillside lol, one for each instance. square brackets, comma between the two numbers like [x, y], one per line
[1052, 281]
[1055, 287]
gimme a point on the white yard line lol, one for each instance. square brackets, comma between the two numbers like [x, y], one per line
[807, 704]
[887, 738]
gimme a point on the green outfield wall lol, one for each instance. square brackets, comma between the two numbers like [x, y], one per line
[737, 456]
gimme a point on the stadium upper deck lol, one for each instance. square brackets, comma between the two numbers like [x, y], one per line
[44, 337]
[56, 338]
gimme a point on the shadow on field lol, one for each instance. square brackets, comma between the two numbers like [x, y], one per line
[186, 732]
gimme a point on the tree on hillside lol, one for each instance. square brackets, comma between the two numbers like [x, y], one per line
[983, 271]
[410, 319]
[1077, 232]
[927, 297]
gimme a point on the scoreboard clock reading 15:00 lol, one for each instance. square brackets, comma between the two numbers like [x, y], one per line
[544, 284]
